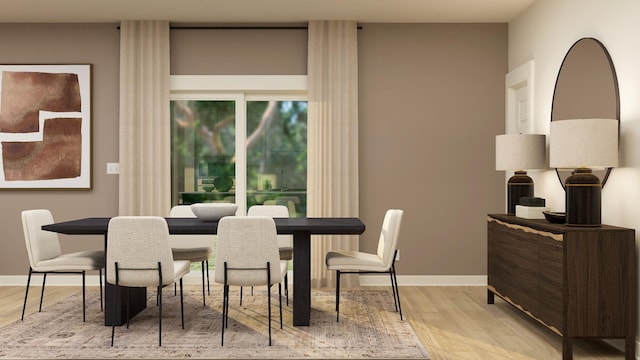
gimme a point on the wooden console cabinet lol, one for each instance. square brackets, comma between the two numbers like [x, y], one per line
[580, 282]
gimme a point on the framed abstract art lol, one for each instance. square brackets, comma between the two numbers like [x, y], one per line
[45, 127]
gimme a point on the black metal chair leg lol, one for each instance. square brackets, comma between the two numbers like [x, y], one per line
[84, 297]
[280, 298]
[269, 311]
[113, 330]
[128, 306]
[113, 323]
[208, 288]
[337, 295]
[204, 302]
[44, 280]
[286, 287]
[101, 300]
[393, 289]
[240, 295]
[26, 293]
[393, 268]
[268, 297]
[226, 319]
[181, 304]
[224, 312]
[159, 316]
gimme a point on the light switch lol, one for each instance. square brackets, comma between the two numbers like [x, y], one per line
[113, 168]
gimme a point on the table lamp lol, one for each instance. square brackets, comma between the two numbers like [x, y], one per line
[520, 152]
[583, 144]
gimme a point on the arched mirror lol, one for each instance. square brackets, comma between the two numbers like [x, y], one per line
[586, 87]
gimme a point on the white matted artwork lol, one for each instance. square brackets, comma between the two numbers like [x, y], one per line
[519, 90]
[45, 127]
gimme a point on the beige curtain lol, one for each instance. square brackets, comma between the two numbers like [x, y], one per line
[332, 137]
[144, 183]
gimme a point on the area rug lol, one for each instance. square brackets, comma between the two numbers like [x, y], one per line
[368, 328]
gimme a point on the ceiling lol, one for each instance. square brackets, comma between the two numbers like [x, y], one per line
[260, 11]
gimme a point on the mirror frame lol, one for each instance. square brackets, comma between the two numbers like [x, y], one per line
[612, 68]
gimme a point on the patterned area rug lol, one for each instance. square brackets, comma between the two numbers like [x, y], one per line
[368, 328]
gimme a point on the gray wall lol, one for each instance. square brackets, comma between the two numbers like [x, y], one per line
[97, 44]
[431, 103]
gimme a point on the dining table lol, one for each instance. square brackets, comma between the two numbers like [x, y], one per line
[116, 298]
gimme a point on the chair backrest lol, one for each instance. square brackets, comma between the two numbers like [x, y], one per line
[188, 241]
[273, 211]
[388, 241]
[247, 242]
[181, 211]
[283, 202]
[41, 245]
[139, 242]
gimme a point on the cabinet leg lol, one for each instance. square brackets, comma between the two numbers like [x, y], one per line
[490, 297]
[567, 347]
[630, 348]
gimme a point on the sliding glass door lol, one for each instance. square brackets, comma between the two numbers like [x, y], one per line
[239, 148]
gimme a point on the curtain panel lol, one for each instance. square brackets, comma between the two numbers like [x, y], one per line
[145, 153]
[332, 138]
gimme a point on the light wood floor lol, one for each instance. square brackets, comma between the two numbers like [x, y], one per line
[452, 322]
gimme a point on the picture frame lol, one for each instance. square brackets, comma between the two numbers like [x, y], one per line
[45, 127]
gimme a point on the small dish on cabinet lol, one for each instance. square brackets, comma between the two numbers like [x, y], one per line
[554, 217]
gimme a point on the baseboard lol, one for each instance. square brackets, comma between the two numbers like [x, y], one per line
[194, 278]
[425, 280]
[54, 280]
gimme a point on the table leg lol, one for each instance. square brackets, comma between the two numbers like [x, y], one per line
[301, 278]
[115, 310]
[115, 300]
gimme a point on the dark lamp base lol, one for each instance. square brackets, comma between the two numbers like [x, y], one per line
[519, 185]
[583, 199]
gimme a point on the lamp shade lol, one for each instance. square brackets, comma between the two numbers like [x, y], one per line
[577, 143]
[521, 152]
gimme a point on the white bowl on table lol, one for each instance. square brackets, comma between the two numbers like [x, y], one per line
[213, 211]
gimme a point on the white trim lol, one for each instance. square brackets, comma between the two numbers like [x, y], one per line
[229, 83]
[241, 154]
[517, 78]
[425, 280]
[52, 280]
[194, 278]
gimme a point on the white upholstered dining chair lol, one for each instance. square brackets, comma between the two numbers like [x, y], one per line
[247, 255]
[46, 257]
[194, 248]
[285, 242]
[139, 255]
[383, 261]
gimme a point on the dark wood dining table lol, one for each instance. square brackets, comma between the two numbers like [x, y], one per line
[300, 228]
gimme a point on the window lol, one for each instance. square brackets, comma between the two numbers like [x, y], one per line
[240, 139]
